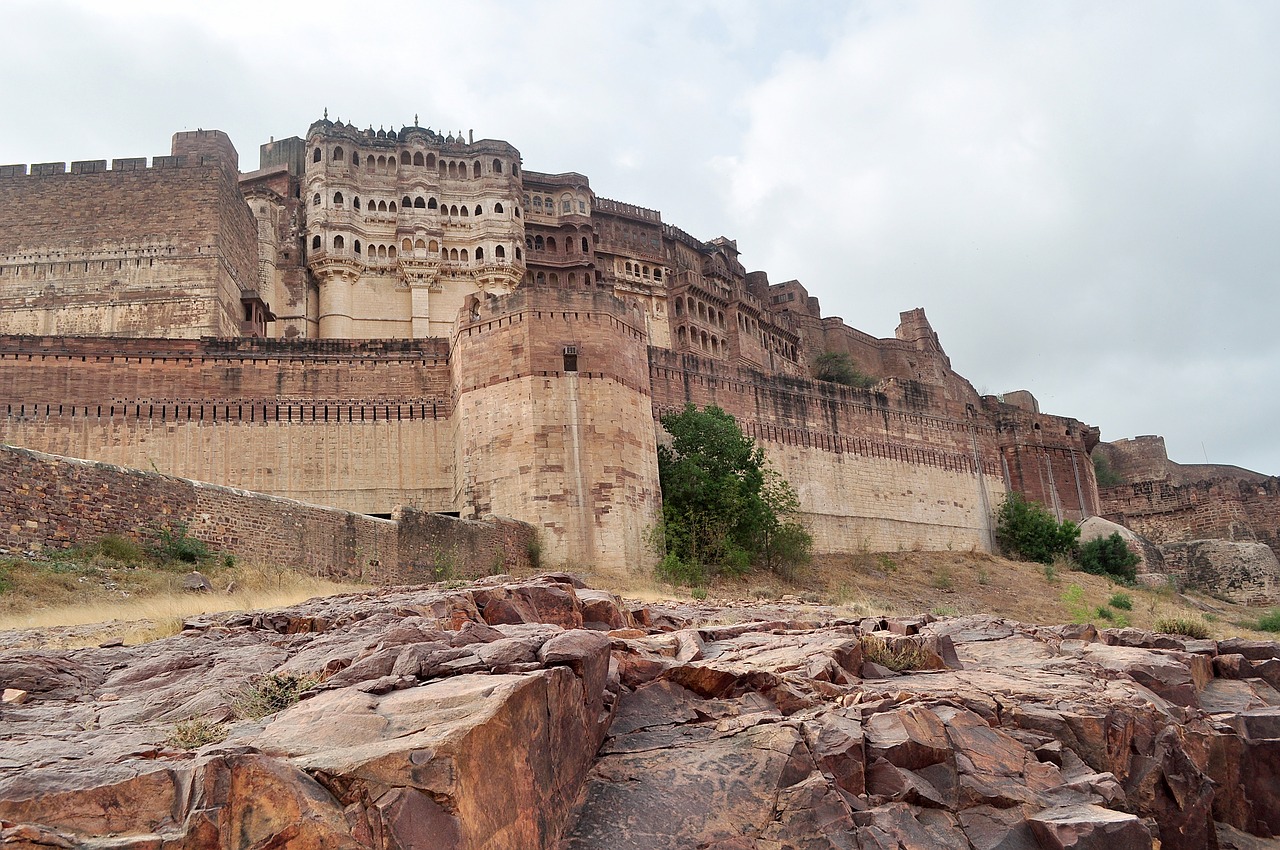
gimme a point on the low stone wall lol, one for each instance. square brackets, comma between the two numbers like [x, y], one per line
[52, 502]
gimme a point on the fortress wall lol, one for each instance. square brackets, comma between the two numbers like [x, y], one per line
[130, 251]
[362, 425]
[872, 469]
[1223, 508]
[567, 445]
[55, 503]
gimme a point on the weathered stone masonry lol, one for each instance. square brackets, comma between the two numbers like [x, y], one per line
[54, 502]
[531, 333]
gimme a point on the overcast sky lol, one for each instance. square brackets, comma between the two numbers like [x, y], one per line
[1085, 197]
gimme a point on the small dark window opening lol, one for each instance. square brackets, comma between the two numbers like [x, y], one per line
[570, 358]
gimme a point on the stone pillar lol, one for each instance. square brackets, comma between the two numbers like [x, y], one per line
[335, 280]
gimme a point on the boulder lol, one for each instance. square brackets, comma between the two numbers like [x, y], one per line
[1242, 571]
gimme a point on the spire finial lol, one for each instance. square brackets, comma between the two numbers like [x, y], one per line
[415, 119]
[326, 113]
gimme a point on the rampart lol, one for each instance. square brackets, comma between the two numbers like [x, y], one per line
[1226, 508]
[130, 250]
[51, 502]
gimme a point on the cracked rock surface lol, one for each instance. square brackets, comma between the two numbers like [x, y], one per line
[536, 713]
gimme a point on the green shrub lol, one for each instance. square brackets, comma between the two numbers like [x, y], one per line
[724, 509]
[1123, 601]
[1181, 626]
[835, 366]
[1073, 598]
[1027, 531]
[699, 593]
[1109, 556]
[1269, 622]
[119, 548]
[1104, 613]
[1107, 477]
[178, 546]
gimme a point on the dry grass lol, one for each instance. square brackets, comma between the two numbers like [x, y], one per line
[140, 601]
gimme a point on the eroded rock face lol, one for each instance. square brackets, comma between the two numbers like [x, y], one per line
[1242, 571]
[538, 714]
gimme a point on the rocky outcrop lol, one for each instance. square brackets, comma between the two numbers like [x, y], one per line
[1241, 571]
[540, 714]
[1150, 560]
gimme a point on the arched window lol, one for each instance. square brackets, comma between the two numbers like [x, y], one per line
[453, 169]
[391, 252]
[382, 206]
[369, 163]
[542, 278]
[406, 244]
[681, 336]
[337, 198]
[433, 246]
[497, 208]
[431, 160]
[479, 211]
[431, 204]
[355, 202]
[315, 243]
[679, 306]
[479, 254]
[528, 242]
[475, 170]
[453, 253]
[550, 205]
[443, 168]
[464, 255]
[391, 207]
[497, 166]
[586, 248]
[337, 155]
[465, 211]
[406, 201]
[355, 159]
[404, 158]
[453, 210]
[419, 203]
[645, 271]
[316, 155]
[657, 273]
[382, 163]
[573, 280]
[417, 158]
[515, 170]
[537, 203]
[339, 243]
[555, 279]
[357, 246]
[315, 202]
[518, 256]
[420, 245]
[628, 268]
[391, 163]
[538, 243]
[566, 206]
[382, 252]
[551, 243]
[500, 252]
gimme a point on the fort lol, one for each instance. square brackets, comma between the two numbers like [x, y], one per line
[383, 321]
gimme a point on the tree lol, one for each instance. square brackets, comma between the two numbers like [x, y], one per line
[724, 510]
[1026, 530]
[836, 366]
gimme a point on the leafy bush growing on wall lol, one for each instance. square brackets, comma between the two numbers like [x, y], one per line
[1025, 530]
[836, 366]
[724, 510]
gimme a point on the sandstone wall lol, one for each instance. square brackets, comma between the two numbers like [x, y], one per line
[128, 251]
[1226, 508]
[53, 502]
[874, 469]
[563, 440]
[362, 426]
